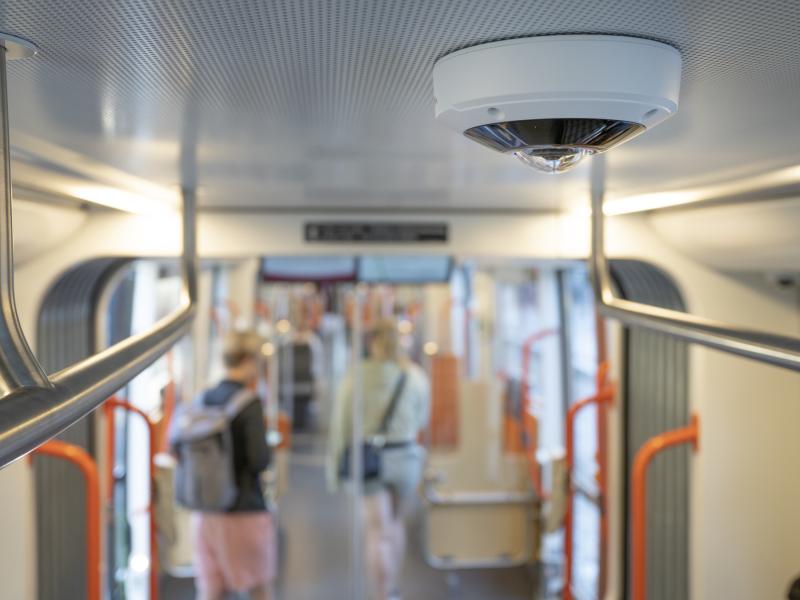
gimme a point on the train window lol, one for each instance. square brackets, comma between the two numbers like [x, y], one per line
[581, 358]
[136, 297]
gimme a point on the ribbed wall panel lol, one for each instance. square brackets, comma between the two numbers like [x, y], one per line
[66, 334]
[656, 395]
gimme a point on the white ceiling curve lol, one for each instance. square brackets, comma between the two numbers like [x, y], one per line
[328, 103]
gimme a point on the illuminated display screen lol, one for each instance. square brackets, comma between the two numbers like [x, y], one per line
[309, 268]
[404, 269]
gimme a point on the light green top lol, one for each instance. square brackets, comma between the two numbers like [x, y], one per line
[379, 380]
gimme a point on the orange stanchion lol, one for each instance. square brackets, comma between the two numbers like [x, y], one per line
[532, 439]
[109, 407]
[81, 459]
[162, 427]
[685, 435]
[443, 426]
[602, 457]
[602, 484]
[604, 395]
[530, 425]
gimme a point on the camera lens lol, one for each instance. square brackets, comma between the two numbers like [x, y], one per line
[552, 160]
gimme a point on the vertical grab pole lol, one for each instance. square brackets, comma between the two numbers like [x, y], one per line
[81, 459]
[605, 394]
[356, 440]
[18, 366]
[111, 446]
[109, 407]
[602, 456]
[685, 435]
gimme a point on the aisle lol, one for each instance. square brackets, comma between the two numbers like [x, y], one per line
[317, 547]
[315, 530]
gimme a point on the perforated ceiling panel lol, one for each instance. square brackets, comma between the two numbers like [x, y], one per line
[325, 102]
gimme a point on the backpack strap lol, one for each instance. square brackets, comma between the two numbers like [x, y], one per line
[398, 391]
[239, 401]
[199, 401]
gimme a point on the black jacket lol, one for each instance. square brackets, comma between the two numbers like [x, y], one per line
[251, 455]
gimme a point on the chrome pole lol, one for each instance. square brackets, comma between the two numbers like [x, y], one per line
[189, 261]
[356, 454]
[18, 366]
[29, 416]
[778, 350]
[33, 406]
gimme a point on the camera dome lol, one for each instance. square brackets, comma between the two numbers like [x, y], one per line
[554, 145]
[553, 100]
[552, 160]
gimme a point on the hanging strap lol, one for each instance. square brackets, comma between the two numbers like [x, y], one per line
[398, 391]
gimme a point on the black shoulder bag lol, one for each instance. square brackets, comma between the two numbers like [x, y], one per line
[371, 450]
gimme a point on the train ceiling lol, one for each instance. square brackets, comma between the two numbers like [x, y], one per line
[286, 104]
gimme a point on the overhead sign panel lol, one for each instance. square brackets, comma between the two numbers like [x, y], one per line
[381, 233]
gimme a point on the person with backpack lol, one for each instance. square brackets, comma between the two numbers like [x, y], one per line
[220, 442]
[396, 406]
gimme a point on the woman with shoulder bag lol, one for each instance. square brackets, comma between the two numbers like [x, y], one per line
[396, 406]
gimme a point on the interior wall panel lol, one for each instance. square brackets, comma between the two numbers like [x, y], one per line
[65, 335]
[656, 393]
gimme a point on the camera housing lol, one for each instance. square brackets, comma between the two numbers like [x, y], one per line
[553, 100]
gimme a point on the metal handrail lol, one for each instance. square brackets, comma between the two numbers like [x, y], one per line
[778, 350]
[685, 435]
[35, 407]
[81, 459]
[604, 394]
[108, 408]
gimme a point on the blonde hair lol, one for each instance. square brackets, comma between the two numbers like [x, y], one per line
[386, 337]
[238, 346]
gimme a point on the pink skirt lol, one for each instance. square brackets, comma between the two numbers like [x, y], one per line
[234, 552]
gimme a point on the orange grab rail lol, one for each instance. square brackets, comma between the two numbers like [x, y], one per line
[533, 440]
[109, 407]
[81, 459]
[443, 427]
[604, 395]
[685, 435]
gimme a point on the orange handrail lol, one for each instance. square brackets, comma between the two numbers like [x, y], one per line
[443, 426]
[602, 458]
[162, 427]
[532, 440]
[602, 485]
[109, 407]
[605, 394]
[81, 459]
[685, 435]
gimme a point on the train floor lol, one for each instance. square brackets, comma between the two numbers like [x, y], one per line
[315, 548]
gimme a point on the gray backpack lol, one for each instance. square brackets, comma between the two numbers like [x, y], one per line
[200, 435]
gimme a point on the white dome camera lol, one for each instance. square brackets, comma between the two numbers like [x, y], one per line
[553, 100]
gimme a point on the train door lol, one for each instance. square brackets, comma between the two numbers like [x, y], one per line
[138, 296]
[581, 359]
